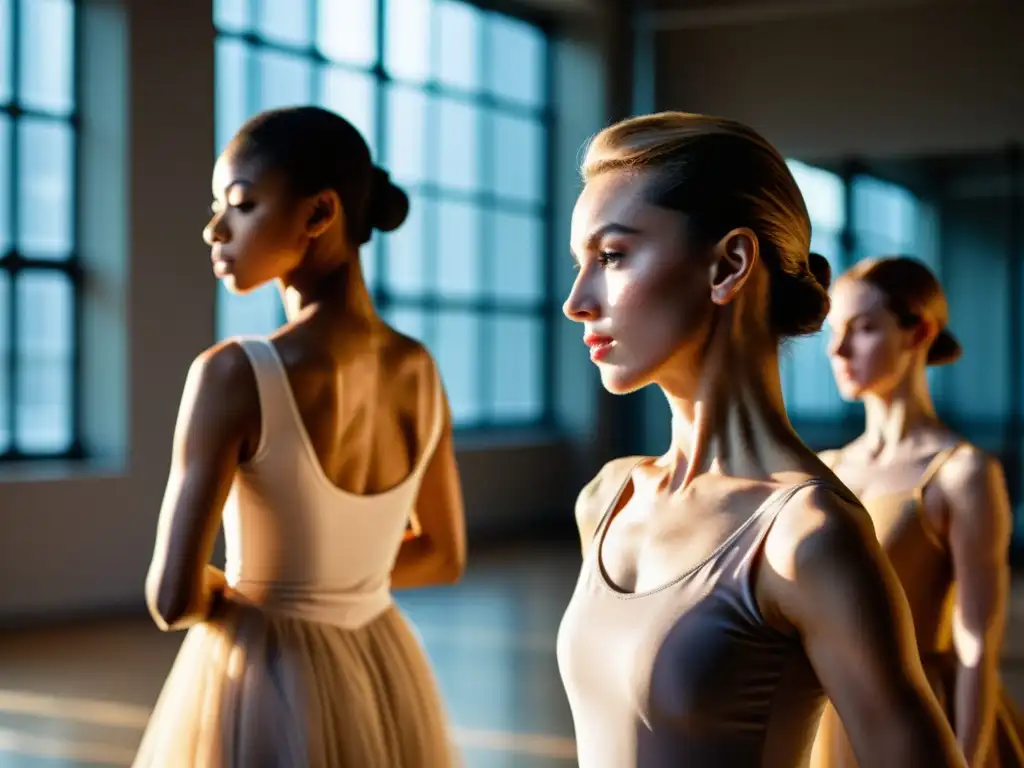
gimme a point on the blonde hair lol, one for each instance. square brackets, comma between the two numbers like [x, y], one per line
[722, 174]
[912, 293]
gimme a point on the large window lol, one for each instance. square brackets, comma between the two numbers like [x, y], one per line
[808, 386]
[877, 218]
[453, 101]
[38, 263]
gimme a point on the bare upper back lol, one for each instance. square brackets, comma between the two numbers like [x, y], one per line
[366, 402]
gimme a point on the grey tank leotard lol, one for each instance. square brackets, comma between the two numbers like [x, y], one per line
[688, 674]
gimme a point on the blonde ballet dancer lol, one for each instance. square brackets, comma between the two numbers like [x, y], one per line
[728, 585]
[318, 445]
[938, 504]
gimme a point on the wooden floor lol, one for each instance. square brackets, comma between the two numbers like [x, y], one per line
[80, 696]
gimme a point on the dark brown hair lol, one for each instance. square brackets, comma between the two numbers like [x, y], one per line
[722, 174]
[912, 293]
[317, 150]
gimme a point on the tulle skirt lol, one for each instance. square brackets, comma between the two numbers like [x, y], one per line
[250, 689]
[832, 748]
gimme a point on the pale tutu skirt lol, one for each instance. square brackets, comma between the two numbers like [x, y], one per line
[832, 748]
[251, 689]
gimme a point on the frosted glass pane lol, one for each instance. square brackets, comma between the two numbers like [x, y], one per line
[518, 149]
[253, 314]
[47, 45]
[458, 249]
[517, 359]
[811, 390]
[823, 192]
[45, 179]
[350, 94]
[516, 256]
[231, 15]
[457, 350]
[6, 87]
[405, 144]
[368, 262]
[828, 243]
[44, 347]
[410, 321]
[5, 345]
[405, 256]
[458, 166]
[407, 33]
[885, 209]
[346, 30]
[284, 21]
[285, 80]
[231, 83]
[5, 183]
[459, 27]
[518, 51]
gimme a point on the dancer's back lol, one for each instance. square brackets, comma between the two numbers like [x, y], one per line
[313, 447]
[316, 517]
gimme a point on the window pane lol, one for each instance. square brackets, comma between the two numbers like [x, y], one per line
[5, 343]
[828, 243]
[885, 209]
[458, 163]
[459, 27]
[284, 80]
[284, 21]
[5, 183]
[254, 314]
[405, 256]
[516, 69]
[350, 94]
[47, 55]
[518, 147]
[5, 52]
[231, 68]
[458, 249]
[410, 321]
[368, 262]
[457, 351]
[516, 256]
[405, 146]
[44, 188]
[517, 358]
[824, 195]
[231, 15]
[346, 30]
[407, 39]
[44, 345]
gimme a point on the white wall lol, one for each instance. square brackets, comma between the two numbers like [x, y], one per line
[77, 538]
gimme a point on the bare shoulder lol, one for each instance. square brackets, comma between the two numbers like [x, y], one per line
[222, 371]
[821, 546]
[815, 523]
[972, 483]
[595, 497]
[968, 468]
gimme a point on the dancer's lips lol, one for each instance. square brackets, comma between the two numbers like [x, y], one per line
[599, 344]
[222, 265]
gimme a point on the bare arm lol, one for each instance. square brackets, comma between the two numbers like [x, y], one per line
[979, 536]
[438, 554]
[219, 410]
[825, 574]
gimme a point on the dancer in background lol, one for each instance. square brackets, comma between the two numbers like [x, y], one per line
[938, 504]
[318, 443]
[731, 583]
